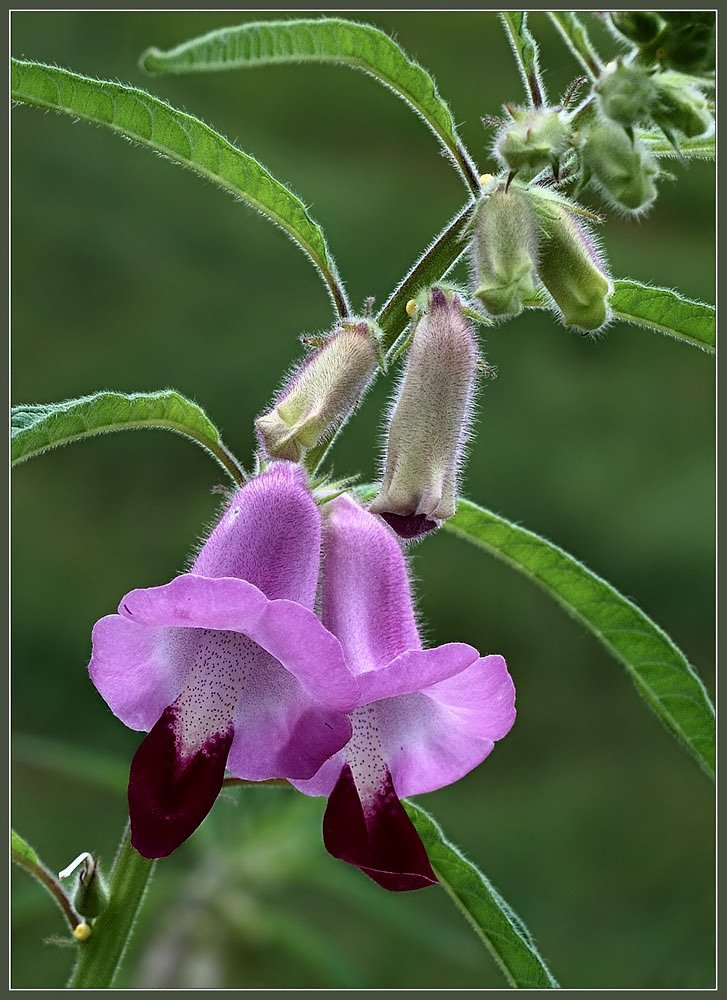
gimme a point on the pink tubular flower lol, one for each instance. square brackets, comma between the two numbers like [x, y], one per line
[227, 665]
[425, 716]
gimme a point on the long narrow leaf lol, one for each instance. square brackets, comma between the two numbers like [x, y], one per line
[660, 671]
[183, 138]
[329, 39]
[660, 309]
[39, 426]
[490, 916]
[667, 311]
[703, 148]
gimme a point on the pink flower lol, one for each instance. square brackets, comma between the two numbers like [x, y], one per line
[425, 717]
[227, 665]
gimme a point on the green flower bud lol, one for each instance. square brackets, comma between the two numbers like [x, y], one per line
[321, 393]
[688, 42]
[91, 895]
[570, 266]
[623, 168]
[639, 26]
[680, 106]
[534, 141]
[626, 93]
[504, 250]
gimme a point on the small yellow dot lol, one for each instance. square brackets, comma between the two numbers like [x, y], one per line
[485, 179]
[82, 932]
[411, 307]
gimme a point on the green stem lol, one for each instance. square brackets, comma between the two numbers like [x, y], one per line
[576, 38]
[525, 51]
[99, 957]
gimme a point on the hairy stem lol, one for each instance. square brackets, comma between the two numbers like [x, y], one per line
[46, 878]
[525, 50]
[99, 957]
[576, 38]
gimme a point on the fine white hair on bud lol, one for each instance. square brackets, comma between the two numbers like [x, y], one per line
[533, 141]
[429, 420]
[322, 392]
[504, 250]
[571, 266]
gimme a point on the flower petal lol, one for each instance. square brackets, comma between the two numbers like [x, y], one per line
[136, 669]
[269, 535]
[170, 795]
[414, 670]
[366, 597]
[376, 836]
[291, 633]
[434, 737]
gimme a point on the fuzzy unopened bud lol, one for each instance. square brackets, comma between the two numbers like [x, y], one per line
[570, 266]
[429, 421]
[626, 94]
[688, 42]
[679, 106]
[639, 26]
[322, 392]
[534, 141]
[504, 251]
[623, 167]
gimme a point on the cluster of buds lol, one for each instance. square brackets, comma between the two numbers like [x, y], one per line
[632, 94]
[682, 40]
[525, 237]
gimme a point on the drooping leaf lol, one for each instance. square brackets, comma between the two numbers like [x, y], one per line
[491, 917]
[660, 671]
[328, 39]
[37, 427]
[183, 138]
[667, 311]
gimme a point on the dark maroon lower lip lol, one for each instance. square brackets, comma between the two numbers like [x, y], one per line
[168, 798]
[409, 525]
[380, 840]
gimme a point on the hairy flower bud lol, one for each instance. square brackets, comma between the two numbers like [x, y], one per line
[504, 251]
[570, 266]
[626, 94]
[623, 168]
[678, 105]
[429, 421]
[639, 26]
[534, 141]
[321, 393]
[688, 42]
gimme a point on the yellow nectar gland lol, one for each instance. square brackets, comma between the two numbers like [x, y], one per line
[82, 932]
[411, 307]
[485, 179]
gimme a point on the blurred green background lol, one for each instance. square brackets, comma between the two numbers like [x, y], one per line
[130, 273]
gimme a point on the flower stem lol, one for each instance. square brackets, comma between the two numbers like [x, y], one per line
[576, 38]
[99, 957]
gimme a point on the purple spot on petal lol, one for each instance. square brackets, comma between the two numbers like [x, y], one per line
[409, 525]
[168, 797]
[381, 840]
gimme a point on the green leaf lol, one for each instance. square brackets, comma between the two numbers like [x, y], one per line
[490, 916]
[37, 427]
[183, 138]
[22, 852]
[329, 39]
[660, 309]
[691, 149]
[666, 311]
[660, 671]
